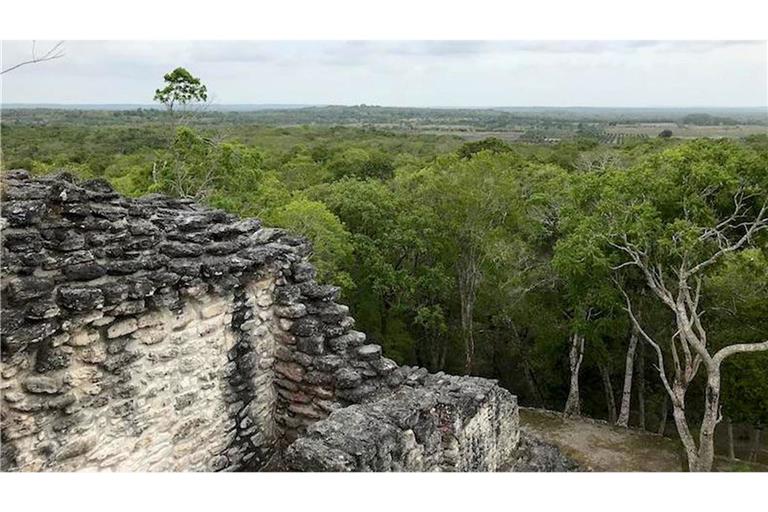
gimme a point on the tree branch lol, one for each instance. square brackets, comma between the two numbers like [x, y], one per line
[649, 340]
[739, 348]
[760, 223]
[56, 52]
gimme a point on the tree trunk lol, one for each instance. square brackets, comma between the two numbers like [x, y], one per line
[641, 386]
[700, 458]
[537, 397]
[443, 353]
[756, 434]
[626, 394]
[708, 424]
[610, 401]
[468, 277]
[678, 413]
[729, 433]
[664, 415]
[576, 355]
[383, 318]
[468, 334]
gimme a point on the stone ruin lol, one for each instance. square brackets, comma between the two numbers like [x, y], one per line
[155, 334]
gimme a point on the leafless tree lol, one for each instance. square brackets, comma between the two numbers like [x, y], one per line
[54, 52]
[598, 162]
[184, 180]
[688, 347]
[189, 114]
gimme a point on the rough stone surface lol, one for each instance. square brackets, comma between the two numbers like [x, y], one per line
[448, 424]
[536, 456]
[156, 334]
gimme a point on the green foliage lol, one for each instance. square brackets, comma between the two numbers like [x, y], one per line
[491, 144]
[666, 208]
[359, 163]
[393, 216]
[332, 248]
[198, 165]
[739, 313]
[181, 89]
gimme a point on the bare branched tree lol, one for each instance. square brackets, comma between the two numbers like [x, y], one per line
[54, 52]
[190, 180]
[688, 347]
[598, 162]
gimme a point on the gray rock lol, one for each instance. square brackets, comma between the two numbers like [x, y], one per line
[325, 292]
[42, 384]
[287, 295]
[347, 378]
[313, 345]
[340, 344]
[80, 298]
[180, 250]
[84, 271]
[384, 366]
[328, 363]
[306, 326]
[535, 455]
[293, 311]
[28, 288]
[369, 352]
[51, 358]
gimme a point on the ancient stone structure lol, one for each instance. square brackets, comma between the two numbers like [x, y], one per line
[156, 334]
[444, 423]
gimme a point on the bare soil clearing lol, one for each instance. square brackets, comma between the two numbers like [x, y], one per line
[598, 446]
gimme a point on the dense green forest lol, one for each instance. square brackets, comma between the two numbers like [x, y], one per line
[531, 264]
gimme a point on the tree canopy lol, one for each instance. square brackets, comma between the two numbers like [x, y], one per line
[181, 88]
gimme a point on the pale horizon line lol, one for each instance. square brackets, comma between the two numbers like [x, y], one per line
[288, 104]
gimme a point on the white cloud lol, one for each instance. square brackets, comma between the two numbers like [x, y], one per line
[461, 73]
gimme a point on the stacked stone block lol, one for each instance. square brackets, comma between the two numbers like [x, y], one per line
[322, 362]
[136, 334]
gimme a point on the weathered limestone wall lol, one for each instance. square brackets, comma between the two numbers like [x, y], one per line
[446, 423]
[156, 334]
[136, 335]
[145, 393]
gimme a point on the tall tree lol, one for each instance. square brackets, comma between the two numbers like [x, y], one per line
[476, 203]
[181, 89]
[674, 219]
[584, 279]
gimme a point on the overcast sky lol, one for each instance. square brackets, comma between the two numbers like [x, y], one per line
[403, 73]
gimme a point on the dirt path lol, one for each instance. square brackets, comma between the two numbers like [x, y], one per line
[598, 446]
